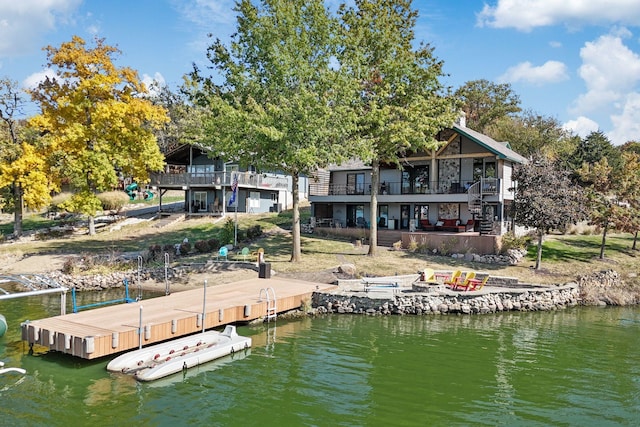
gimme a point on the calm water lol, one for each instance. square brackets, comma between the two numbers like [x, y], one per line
[575, 368]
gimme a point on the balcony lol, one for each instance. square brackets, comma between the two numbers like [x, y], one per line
[224, 179]
[393, 188]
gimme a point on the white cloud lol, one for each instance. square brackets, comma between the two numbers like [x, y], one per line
[155, 83]
[525, 15]
[36, 78]
[582, 126]
[626, 125]
[555, 44]
[24, 22]
[610, 70]
[549, 72]
[204, 13]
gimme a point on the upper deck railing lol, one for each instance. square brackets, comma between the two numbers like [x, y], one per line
[401, 188]
[245, 179]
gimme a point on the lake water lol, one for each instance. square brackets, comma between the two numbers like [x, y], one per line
[579, 367]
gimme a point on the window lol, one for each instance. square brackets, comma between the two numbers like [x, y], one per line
[254, 200]
[415, 180]
[421, 212]
[355, 183]
[383, 215]
[199, 202]
[483, 169]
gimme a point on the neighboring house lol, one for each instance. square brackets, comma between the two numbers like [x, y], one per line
[207, 184]
[463, 186]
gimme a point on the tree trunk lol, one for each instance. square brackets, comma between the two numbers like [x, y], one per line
[296, 253]
[92, 225]
[604, 239]
[539, 254]
[18, 212]
[373, 214]
[635, 240]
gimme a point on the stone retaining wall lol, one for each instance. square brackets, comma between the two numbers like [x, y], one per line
[462, 303]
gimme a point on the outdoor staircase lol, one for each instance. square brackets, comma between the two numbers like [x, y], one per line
[388, 237]
[476, 193]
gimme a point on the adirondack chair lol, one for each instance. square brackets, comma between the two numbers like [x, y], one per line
[466, 283]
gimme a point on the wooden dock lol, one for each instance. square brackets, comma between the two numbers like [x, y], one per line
[113, 329]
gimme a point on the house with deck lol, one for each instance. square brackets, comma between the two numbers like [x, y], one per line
[208, 184]
[465, 186]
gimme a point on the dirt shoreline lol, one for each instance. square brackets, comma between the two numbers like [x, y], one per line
[11, 264]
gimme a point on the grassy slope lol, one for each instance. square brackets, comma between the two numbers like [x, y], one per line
[564, 257]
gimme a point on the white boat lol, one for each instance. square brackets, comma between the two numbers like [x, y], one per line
[161, 360]
[4, 370]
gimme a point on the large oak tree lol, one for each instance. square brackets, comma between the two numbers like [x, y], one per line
[277, 100]
[97, 122]
[399, 99]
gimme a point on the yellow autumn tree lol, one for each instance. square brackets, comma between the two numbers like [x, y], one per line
[24, 177]
[96, 121]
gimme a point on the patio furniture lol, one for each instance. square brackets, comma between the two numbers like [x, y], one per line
[477, 284]
[464, 283]
[451, 280]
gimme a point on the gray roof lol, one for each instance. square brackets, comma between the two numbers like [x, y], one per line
[502, 149]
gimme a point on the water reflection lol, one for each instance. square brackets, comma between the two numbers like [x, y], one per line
[574, 367]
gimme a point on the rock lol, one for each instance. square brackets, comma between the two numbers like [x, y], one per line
[349, 269]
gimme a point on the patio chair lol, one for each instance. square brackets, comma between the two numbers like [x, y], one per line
[428, 275]
[223, 252]
[477, 284]
[244, 253]
[451, 280]
[466, 283]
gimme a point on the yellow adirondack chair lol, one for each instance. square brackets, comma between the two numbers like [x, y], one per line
[465, 283]
[453, 279]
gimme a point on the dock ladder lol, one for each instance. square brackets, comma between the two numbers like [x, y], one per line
[270, 296]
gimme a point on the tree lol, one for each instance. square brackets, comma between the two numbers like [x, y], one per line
[530, 133]
[184, 122]
[399, 100]
[485, 102]
[629, 187]
[23, 168]
[614, 195]
[96, 121]
[281, 105]
[546, 199]
[593, 148]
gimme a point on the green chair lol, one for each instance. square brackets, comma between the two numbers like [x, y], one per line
[245, 253]
[223, 253]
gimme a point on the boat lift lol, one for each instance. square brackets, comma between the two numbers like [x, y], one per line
[126, 299]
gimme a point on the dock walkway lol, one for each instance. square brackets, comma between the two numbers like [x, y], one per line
[108, 330]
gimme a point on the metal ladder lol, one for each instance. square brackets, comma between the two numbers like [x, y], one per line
[270, 296]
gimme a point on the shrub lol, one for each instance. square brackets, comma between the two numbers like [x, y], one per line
[413, 244]
[70, 266]
[202, 246]
[511, 241]
[154, 252]
[185, 247]
[254, 232]
[58, 200]
[113, 200]
[228, 232]
[397, 245]
[214, 244]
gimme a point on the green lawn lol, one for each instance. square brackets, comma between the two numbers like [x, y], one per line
[564, 257]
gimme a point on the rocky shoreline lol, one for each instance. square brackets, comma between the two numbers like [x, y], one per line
[408, 298]
[410, 303]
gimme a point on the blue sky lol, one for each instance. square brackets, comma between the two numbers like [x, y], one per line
[577, 61]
